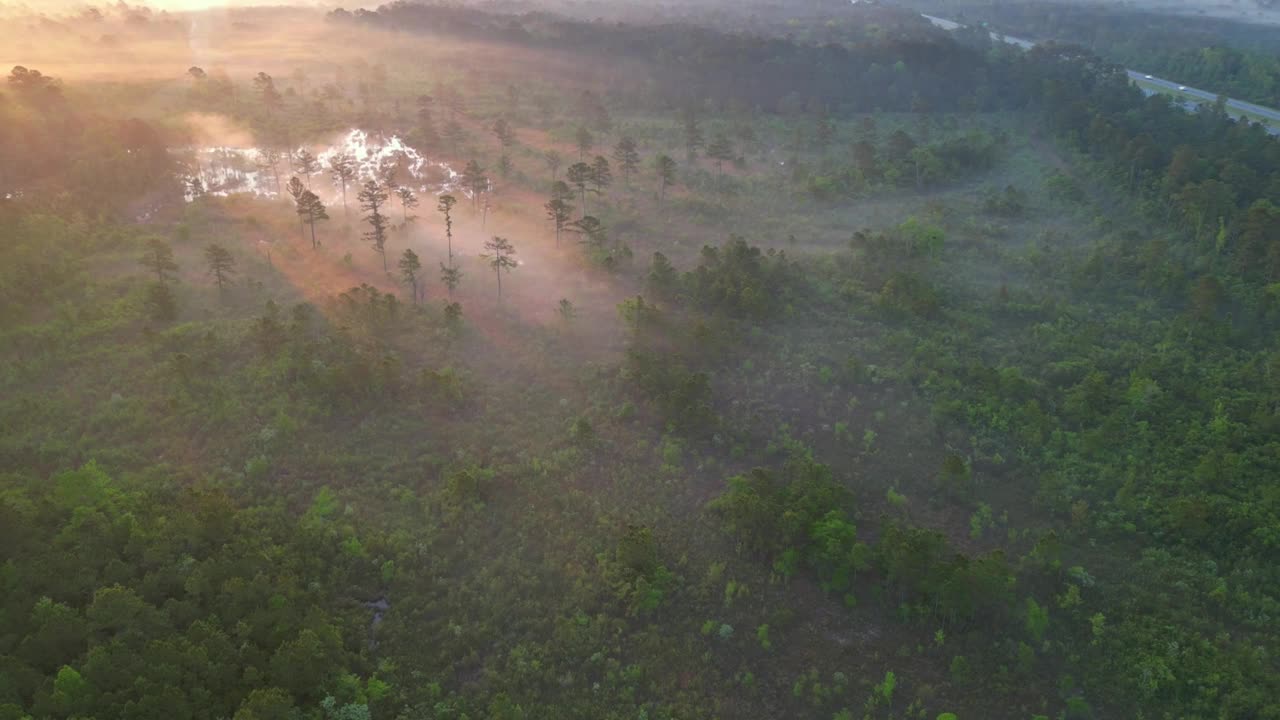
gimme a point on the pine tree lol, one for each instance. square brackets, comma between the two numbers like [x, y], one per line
[372, 198]
[158, 258]
[306, 164]
[584, 141]
[505, 134]
[160, 302]
[266, 87]
[601, 174]
[559, 210]
[593, 231]
[268, 160]
[296, 189]
[342, 167]
[474, 179]
[663, 280]
[666, 169]
[579, 175]
[222, 264]
[408, 201]
[312, 210]
[720, 150]
[409, 266]
[450, 275]
[500, 257]
[627, 157]
[554, 161]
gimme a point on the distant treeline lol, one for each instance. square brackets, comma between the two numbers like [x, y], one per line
[1235, 58]
[899, 70]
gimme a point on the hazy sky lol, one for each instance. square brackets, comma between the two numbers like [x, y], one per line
[61, 5]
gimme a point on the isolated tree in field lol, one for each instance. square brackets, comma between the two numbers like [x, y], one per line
[693, 138]
[410, 265]
[627, 157]
[408, 201]
[666, 169]
[450, 275]
[601, 174]
[372, 198]
[584, 141]
[500, 257]
[579, 175]
[505, 134]
[195, 188]
[312, 211]
[342, 167]
[474, 179]
[445, 206]
[158, 258]
[592, 230]
[306, 164]
[222, 264]
[559, 209]
[553, 161]
[720, 150]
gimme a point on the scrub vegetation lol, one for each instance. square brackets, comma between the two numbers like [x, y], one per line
[444, 362]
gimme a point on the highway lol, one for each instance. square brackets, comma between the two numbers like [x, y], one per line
[1189, 96]
[1195, 96]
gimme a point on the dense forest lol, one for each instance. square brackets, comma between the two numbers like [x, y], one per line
[431, 361]
[1232, 57]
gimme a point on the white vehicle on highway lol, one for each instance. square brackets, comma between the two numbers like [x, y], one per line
[1182, 88]
[1148, 77]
